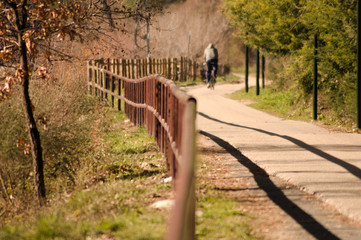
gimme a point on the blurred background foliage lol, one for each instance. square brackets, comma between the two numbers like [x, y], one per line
[286, 28]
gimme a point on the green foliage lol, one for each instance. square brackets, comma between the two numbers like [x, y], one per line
[287, 28]
[271, 26]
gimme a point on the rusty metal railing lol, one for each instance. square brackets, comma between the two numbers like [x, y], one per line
[169, 116]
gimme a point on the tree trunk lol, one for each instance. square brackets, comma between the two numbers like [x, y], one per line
[36, 149]
[34, 136]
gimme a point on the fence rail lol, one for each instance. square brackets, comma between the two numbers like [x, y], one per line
[169, 116]
[176, 69]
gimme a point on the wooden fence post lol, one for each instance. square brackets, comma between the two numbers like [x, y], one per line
[144, 67]
[149, 66]
[128, 65]
[132, 69]
[155, 70]
[164, 69]
[119, 93]
[181, 70]
[138, 69]
[105, 83]
[90, 80]
[112, 86]
[169, 65]
[124, 68]
[96, 77]
[107, 65]
[175, 70]
[99, 80]
[117, 67]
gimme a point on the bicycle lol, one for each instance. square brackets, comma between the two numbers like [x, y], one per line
[212, 77]
[213, 81]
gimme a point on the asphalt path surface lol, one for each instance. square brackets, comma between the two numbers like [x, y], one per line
[319, 162]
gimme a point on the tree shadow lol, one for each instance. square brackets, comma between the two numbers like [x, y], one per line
[349, 167]
[264, 182]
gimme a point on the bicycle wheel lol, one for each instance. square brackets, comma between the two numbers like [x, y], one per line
[213, 81]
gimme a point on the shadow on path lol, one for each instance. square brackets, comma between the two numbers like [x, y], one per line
[264, 182]
[349, 167]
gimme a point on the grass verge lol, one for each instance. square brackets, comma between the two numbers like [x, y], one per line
[283, 104]
[277, 103]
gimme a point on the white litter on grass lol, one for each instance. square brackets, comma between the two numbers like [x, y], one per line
[163, 204]
[144, 165]
[167, 180]
[199, 213]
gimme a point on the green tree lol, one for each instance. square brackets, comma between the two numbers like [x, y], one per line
[286, 28]
[271, 26]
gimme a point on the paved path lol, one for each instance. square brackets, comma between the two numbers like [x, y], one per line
[319, 162]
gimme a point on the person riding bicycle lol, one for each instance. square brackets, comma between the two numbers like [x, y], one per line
[211, 57]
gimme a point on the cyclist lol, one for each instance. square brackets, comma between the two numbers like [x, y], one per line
[211, 57]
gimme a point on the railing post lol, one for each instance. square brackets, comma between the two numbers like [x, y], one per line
[358, 62]
[129, 69]
[315, 75]
[90, 76]
[263, 69]
[141, 72]
[101, 81]
[133, 74]
[154, 66]
[170, 120]
[124, 68]
[108, 64]
[96, 78]
[182, 226]
[257, 72]
[137, 68]
[105, 83]
[164, 67]
[246, 70]
[112, 89]
[157, 107]
[117, 67]
[181, 70]
[169, 67]
[175, 70]
[119, 93]
[145, 67]
[149, 66]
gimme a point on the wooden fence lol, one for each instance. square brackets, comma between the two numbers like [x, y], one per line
[176, 69]
[169, 116]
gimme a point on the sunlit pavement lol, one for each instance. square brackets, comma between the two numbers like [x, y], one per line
[319, 162]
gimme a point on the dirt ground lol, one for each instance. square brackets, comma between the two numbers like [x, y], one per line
[279, 211]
